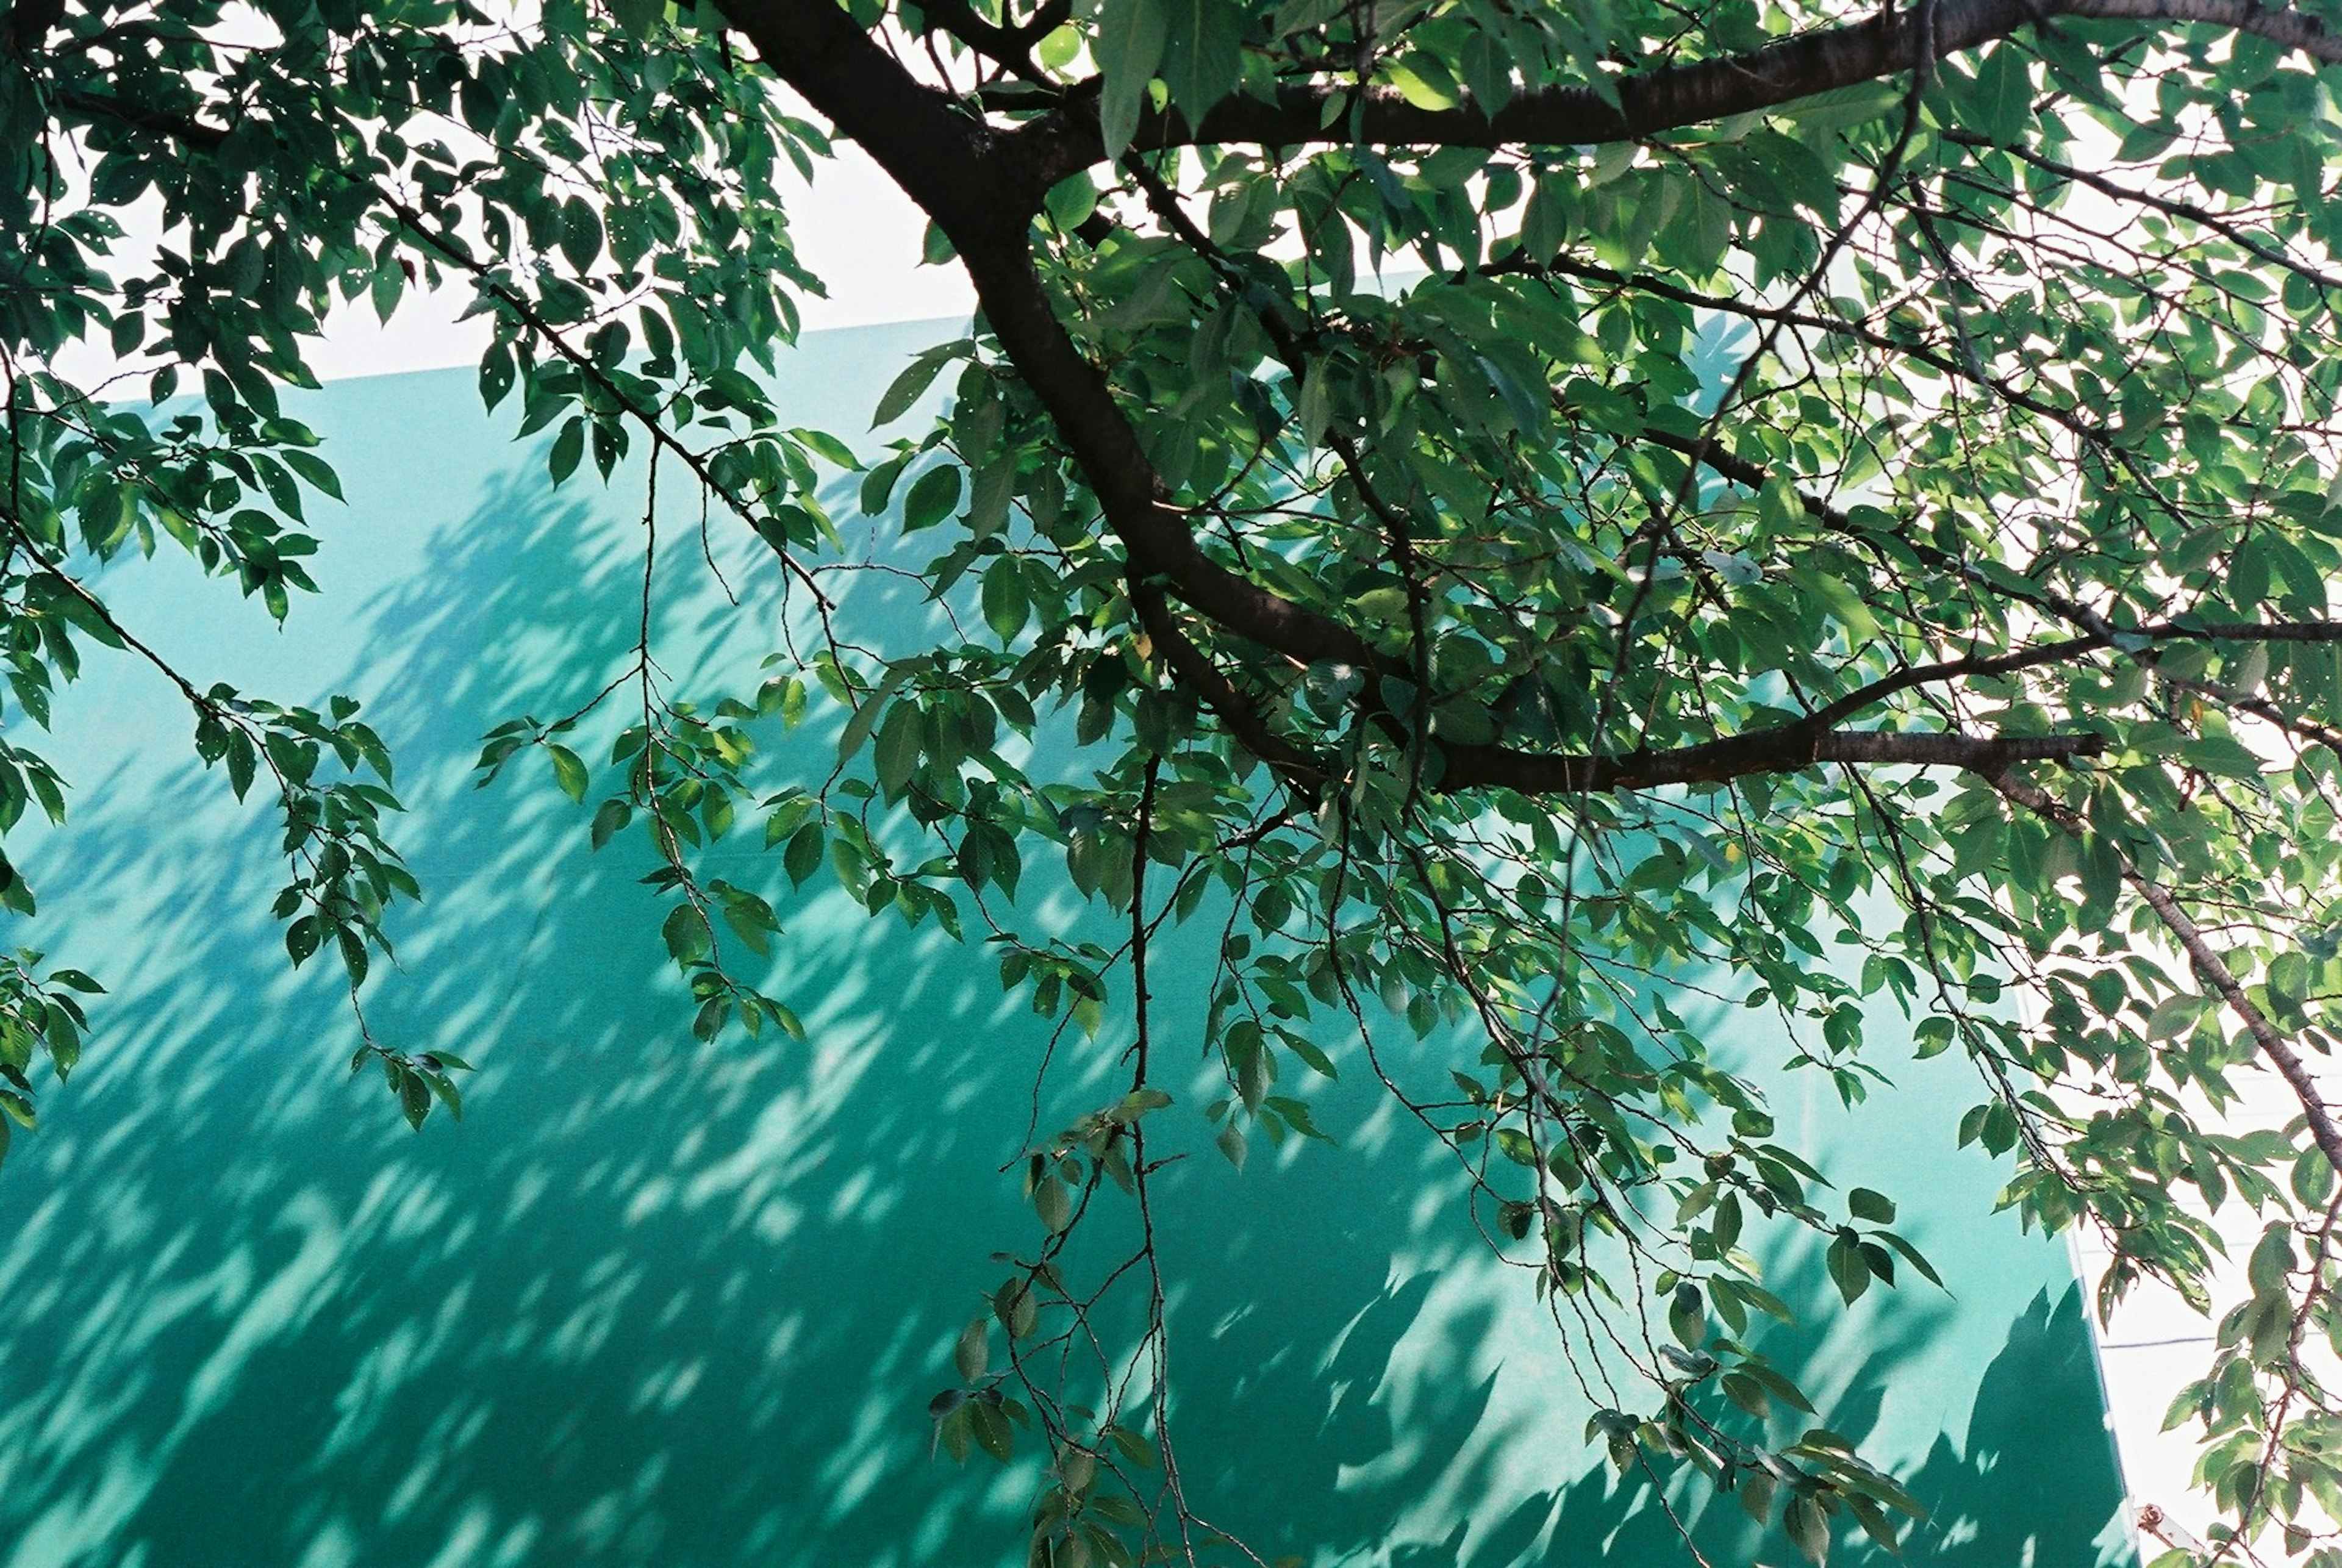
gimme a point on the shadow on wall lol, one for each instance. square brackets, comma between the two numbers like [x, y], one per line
[659, 1304]
[1401, 1447]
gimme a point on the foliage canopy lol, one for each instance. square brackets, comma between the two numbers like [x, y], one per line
[1511, 501]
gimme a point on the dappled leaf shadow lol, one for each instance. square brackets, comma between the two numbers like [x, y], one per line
[652, 1303]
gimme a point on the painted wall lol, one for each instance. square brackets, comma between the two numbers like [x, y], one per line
[658, 1304]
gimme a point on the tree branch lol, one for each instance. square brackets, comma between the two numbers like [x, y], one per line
[960, 171]
[1787, 748]
[2209, 966]
[1008, 47]
[2203, 217]
[1195, 671]
[952, 166]
[1649, 102]
[955, 168]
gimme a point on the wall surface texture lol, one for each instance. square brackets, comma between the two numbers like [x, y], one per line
[651, 1303]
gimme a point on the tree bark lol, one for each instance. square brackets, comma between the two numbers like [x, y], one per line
[982, 184]
[1649, 102]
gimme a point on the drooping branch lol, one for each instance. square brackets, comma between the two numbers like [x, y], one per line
[2209, 966]
[2261, 708]
[2097, 631]
[1649, 102]
[1851, 331]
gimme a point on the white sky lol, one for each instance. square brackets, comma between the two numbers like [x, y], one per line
[854, 231]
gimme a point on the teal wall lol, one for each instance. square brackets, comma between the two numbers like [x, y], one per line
[657, 1303]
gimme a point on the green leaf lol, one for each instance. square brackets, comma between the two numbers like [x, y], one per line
[802, 856]
[2003, 94]
[612, 817]
[1052, 1204]
[1911, 1255]
[242, 761]
[638, 16]
[1687, 1316]
[316, 471]
[992, 1430]
[1129, 46]
[1423, 83]
[935, 496]
[909, 387]
[2272, 1260]
[568, 770]
[1005, 605]
[956, 1430]
[1748, 1393]
[1809, 1528]
[1847, 1267]
[2174, 1015]
[1231, 1142]
[866, 717]
[973, 1355]
[413, 1097]
[581, 233]
[899, 748]
[879, 484]
[685, 933]
[568, 447]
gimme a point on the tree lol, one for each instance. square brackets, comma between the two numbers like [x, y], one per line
[1508, 501]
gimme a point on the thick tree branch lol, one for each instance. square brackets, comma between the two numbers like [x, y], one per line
[955, 167]
[958, 171]
[1788, 748]
[1784, 748]
[1652, 102]
[1009, 46]
[1195, 670]
[980, 192]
